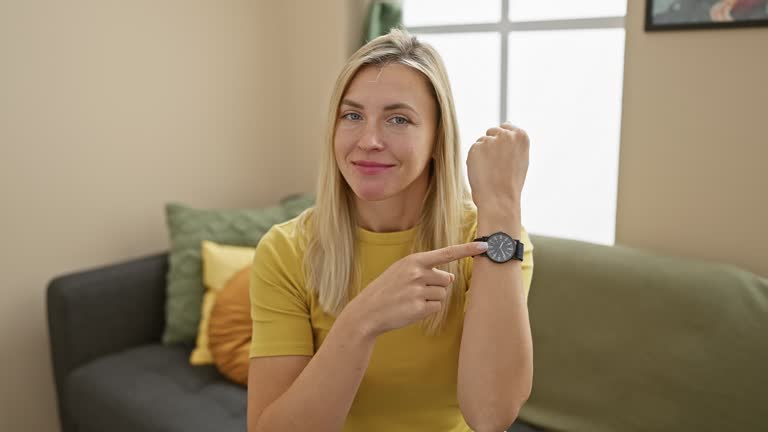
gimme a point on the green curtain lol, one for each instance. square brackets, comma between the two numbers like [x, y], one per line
[382, 16]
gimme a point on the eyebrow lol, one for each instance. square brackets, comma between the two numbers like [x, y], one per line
[390, 107]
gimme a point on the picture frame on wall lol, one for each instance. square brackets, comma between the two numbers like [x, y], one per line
[704, 14]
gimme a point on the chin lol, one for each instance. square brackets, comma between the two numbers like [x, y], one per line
[371, 192]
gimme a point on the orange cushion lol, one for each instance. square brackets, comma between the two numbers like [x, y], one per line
[229, 331]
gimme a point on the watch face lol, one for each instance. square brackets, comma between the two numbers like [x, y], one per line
[501, 247]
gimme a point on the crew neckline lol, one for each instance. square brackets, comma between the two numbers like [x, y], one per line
[386, 238]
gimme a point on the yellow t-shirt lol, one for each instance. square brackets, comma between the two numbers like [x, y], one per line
[410, 382]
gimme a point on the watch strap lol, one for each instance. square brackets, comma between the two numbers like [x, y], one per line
[481, 239]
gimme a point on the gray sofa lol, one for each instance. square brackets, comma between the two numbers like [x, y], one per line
[113, 374]
[624, 340]
[111, 371]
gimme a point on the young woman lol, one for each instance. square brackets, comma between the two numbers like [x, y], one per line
[375, 310]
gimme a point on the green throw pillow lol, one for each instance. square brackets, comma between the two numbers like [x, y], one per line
[297, 203]
[188, 228]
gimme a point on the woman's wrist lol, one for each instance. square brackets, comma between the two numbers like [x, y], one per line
[504, 216]
[358, 327]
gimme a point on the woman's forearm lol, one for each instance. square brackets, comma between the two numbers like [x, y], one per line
[496, 359]
[321, 396]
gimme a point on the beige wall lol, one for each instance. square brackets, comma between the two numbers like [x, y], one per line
[310, 68]
[694, 143]
[110, 110]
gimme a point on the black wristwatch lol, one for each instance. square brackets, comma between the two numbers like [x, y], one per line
[502, 247]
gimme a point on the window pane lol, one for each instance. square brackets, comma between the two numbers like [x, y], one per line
[565, 90]
[442, 12]
[473, 61]
[537, 10]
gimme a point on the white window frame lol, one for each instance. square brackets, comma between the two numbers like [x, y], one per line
[505, 26]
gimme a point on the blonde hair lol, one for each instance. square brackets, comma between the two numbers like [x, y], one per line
[330, 226]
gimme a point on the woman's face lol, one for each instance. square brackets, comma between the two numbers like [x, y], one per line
[387, 116]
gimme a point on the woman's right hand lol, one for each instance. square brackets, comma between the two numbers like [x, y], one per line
[409, 290]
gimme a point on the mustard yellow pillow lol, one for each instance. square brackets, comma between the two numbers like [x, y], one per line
[230, 328]
[220, 264]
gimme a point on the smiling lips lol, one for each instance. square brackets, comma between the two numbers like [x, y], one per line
[370, 167]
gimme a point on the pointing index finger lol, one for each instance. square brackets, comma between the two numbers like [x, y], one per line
[453, 253]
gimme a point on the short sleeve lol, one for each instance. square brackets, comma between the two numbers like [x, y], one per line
[527, 263]
[279, 305]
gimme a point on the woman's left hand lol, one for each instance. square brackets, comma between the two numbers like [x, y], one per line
[497, 165]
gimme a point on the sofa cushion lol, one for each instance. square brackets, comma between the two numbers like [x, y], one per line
[153, 388]
[220, 264]
[627, 340]
[230, 328]
[188, 227]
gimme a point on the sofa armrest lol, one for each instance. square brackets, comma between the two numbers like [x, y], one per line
[104, 310]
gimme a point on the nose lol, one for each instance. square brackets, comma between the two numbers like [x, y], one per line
[370, 140]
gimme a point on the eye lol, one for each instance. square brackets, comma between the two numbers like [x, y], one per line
[399, 120]
[352, 116]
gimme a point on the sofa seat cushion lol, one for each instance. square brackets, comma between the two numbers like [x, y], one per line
[154, 388]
